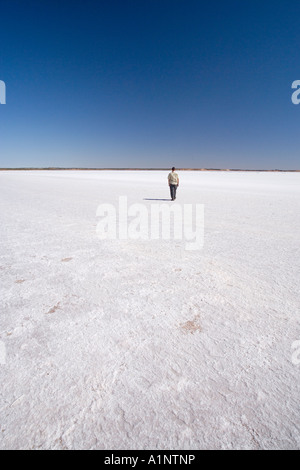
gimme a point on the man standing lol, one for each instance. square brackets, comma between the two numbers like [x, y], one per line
[173, 180]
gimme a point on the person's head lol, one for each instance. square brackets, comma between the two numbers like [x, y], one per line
[173, 169]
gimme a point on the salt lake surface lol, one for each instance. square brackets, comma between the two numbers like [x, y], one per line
[140, 343]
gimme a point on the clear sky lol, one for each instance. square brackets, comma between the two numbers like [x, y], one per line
[150, 83]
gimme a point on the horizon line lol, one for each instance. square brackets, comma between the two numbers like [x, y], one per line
[142, 169]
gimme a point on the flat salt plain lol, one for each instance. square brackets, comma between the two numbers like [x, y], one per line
[124, 344]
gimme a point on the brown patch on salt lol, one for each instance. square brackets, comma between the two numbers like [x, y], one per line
[65, 260]
[53, 309]
[19, 281]
[191, 326]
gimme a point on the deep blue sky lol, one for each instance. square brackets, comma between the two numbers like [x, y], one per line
[150, 83]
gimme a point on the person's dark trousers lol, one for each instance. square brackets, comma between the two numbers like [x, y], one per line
[173, 189]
